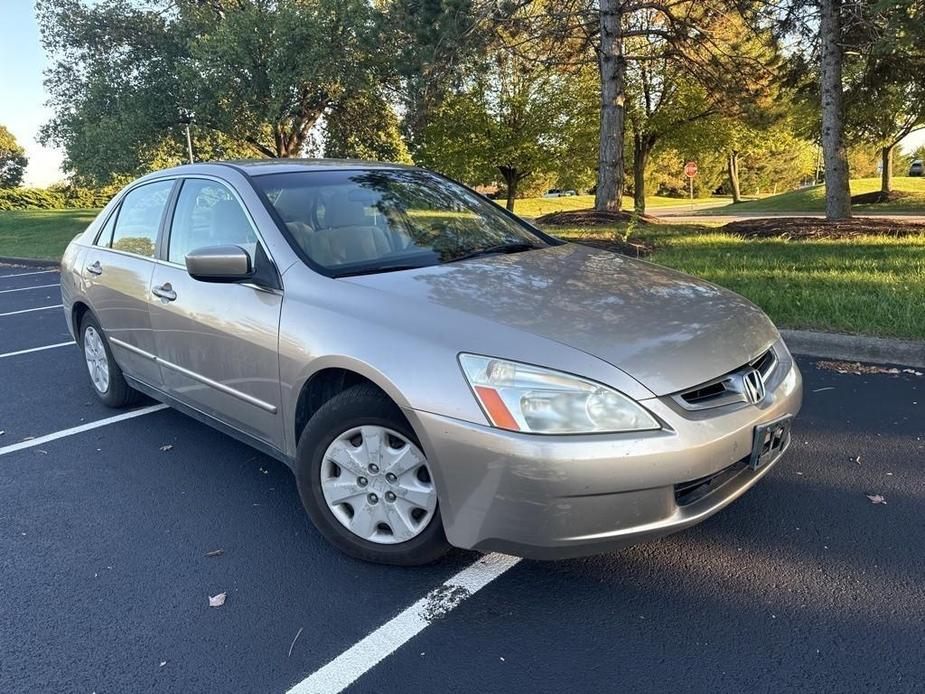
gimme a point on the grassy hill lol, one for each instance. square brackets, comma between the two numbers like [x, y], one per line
[40, 234]
[535, 207]
[813, 199]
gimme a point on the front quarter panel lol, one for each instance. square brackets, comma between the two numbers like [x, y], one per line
[407, 347]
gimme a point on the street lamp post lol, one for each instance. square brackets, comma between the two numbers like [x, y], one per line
[186, 117]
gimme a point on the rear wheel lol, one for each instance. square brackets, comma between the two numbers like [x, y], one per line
[105, 375]
[366, 483]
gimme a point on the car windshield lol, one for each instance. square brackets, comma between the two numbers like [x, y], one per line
[353, 222]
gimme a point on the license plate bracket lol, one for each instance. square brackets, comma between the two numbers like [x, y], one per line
[770, 441]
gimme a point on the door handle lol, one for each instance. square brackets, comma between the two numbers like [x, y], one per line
[95, 268]
[165, 292]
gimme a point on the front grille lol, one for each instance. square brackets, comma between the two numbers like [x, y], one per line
[731, 388]
[687, 493]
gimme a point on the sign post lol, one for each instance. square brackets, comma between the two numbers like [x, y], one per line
[690, 170]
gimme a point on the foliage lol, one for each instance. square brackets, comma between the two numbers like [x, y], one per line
[13, 160]
[55, 198]
[364, 126]
[510, 115]
[252, 73]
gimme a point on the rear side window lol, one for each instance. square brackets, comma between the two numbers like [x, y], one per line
[139, 218]
[208, 214]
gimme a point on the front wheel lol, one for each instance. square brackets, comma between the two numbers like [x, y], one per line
[105, 375]
[366, 483]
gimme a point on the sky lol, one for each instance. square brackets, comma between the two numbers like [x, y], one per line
[22, 96]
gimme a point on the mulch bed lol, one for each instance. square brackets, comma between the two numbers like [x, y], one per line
[804, 228]
[593, 218]
[879, 196]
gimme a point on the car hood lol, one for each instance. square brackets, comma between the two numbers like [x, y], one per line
[667, 330]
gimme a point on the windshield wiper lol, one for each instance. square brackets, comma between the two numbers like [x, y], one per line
[514, 247]
[379, 268]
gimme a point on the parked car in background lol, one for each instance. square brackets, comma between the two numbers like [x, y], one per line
[434, 370]
[557, 193]
[917, 168]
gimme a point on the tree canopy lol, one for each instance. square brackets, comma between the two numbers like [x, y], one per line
[13, 160]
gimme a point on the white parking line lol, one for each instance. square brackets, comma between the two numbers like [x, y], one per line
[35, 349]
[29, 310]
[24, 274]
[25, 289]
[78, 429]
[346, 668]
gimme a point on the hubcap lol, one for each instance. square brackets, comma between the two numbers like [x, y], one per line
[97, 361]
[366, 465]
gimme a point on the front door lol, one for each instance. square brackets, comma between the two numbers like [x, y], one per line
[217, 343]
[117, 271]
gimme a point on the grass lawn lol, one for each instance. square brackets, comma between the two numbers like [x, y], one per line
[536, 207]
[870, 285]
[813, 199]
[40, 234]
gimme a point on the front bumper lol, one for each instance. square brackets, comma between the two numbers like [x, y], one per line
[551, 497]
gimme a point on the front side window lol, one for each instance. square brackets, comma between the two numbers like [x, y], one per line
[359, 222]
[139, 218]
[207, 214]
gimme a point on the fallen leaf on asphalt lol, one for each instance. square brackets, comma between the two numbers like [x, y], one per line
[856, 368]
[857, 459]
[217, 600]
[215, 553]
[876, 499]
[2, 433]
[163, 663]
[167, 447]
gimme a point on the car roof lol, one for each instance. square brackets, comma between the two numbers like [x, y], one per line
[258, 167]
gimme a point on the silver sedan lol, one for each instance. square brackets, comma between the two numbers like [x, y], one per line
[434, 370]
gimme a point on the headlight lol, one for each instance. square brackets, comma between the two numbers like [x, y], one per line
[520, 397]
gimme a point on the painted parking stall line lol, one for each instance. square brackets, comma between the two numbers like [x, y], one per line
[26, 289]
[30, 310]
[26, 274]
[36, 349]
[350, 665]
[89, 426]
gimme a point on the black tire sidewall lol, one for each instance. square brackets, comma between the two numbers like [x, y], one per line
[359, 406]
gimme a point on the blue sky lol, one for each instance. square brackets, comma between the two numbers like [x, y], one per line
[22, 95]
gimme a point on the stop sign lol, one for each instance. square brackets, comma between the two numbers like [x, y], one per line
[690, 169]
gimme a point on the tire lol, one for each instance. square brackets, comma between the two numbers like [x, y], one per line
[365, 406]
[113, 391]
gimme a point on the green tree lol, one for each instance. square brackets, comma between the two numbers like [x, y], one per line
[511, 115]
[13, 160]
[886, 102]
[364, 126]
[259, 73]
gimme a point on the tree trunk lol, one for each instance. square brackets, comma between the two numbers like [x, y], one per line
[732, 168]
[642, 146]
[886, 176]
[837, 193]
[612, 66]
[511, 178]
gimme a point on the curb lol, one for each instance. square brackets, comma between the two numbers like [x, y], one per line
[28, 262]
[875, 350]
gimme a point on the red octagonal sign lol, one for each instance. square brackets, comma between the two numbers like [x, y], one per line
[690, 169]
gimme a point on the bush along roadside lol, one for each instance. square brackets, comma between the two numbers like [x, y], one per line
[55, 198]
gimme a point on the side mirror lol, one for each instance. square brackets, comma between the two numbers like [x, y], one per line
[219, 264]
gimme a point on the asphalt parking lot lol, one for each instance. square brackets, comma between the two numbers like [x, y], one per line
[803, 584]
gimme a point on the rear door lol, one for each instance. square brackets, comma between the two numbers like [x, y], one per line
[117, 272]
[217, 343]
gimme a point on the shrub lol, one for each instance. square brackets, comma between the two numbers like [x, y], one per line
[54, 198]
